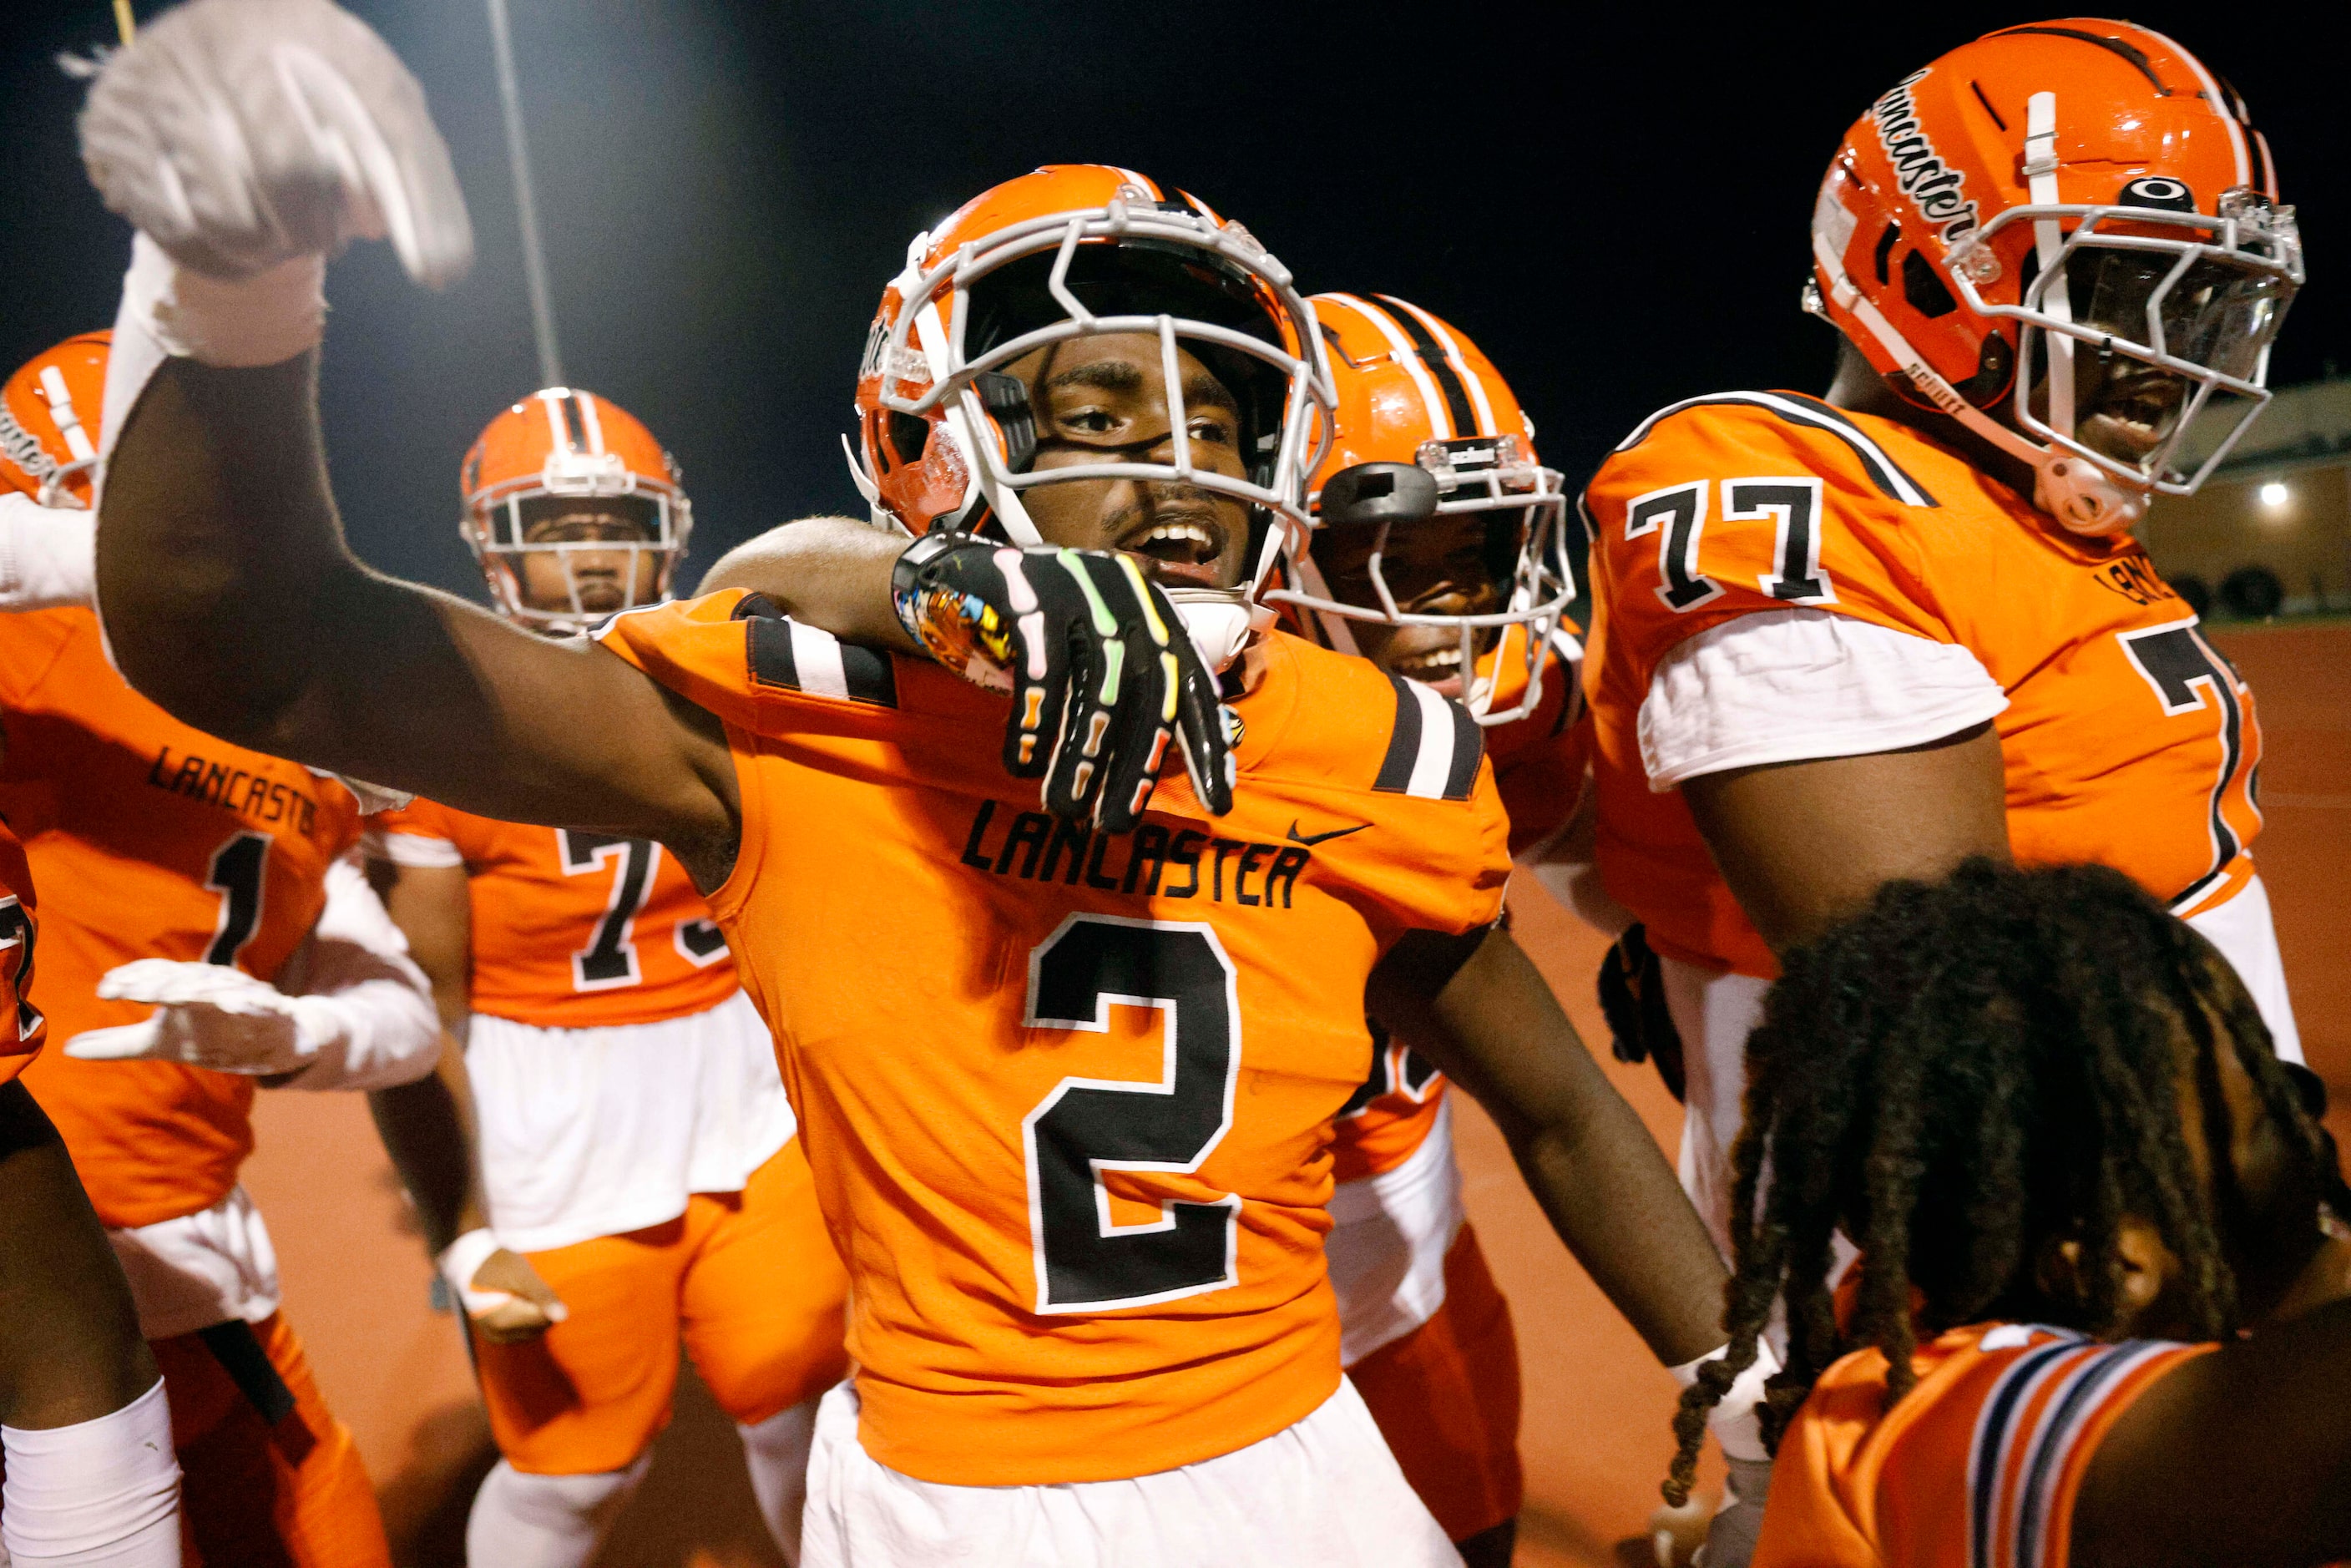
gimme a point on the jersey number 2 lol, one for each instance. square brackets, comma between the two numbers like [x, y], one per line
[1085, 1261]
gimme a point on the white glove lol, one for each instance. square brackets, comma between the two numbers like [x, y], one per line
[241, 134]
[209, 1015]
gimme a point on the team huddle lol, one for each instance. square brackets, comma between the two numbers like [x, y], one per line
[988, 980]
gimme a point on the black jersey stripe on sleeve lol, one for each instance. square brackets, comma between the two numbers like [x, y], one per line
[1469, 748]
[1433, 749]
[1892, 482]
[799, 658]
[1403, 742]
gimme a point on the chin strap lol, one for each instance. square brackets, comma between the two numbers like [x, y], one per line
[2081, 497]
[1220, 620]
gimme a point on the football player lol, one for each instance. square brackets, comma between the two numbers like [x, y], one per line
[636, 1146]
[206, 930]
[2079, 1176]
[83, 1416]
[1065, 1090]
[1436, 553]
[1846, 638]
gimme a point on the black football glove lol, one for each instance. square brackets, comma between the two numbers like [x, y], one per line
[1101, 673]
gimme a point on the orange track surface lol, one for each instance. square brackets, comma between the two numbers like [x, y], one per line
[1596, 1438]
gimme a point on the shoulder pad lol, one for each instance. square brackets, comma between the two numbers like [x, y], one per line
[1794, 410]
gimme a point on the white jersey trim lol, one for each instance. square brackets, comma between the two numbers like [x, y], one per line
[1789, 686]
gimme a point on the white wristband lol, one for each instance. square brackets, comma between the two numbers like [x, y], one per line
[234, 323]
[457, 1263]
[1734, 1421]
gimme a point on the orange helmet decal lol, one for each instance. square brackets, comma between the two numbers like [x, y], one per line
[946, 437]
[49, 414]
[2077, 182]
[1424, 426]
[561, 445]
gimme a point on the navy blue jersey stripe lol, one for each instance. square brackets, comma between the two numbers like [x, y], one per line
[1991, 1436]
[1404, 741]
[2049, 1447]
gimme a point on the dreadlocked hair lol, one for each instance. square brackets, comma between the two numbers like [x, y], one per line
[1952, 1077]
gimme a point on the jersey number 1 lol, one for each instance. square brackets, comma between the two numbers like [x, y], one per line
[1086, 1261]
[236, 874]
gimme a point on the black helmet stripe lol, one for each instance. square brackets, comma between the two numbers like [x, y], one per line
[1440, 366]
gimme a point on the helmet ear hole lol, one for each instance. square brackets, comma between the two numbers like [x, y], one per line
[1380, 492]
[909, 434]
[1886, 242]
[1924, 287]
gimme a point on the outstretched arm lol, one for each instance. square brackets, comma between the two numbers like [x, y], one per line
[828, 572]
[1476, 1007]
[231, 599]
[247, 142]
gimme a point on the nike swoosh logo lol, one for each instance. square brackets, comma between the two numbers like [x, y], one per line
[1297, 838]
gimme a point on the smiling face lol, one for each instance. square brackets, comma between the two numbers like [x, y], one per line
[605, 580]
[1103, 399]
[1439, 567]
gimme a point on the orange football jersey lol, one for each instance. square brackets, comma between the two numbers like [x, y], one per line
[1538, 765]
[1977, 1467]
[573, 929]
[1068, 1096]
[20, 1023]
[2127, 738]
[153, 840]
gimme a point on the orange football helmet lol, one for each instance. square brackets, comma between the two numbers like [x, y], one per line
[2076, 215]
[946, 438]
[556, 447]
[1425, 427]
[49, 421]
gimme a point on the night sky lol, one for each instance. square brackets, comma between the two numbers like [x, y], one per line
[1615, 210]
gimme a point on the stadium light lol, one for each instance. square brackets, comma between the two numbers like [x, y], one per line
[2275, 493]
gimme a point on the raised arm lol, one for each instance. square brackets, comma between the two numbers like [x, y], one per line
[231, 599]
[229, 593]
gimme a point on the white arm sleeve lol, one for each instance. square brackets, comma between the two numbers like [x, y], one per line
[49, 555]
[1787, 685]
[384, 1029]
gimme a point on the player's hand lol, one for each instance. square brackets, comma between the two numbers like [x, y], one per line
[240, 134]
[207, 1014]
[1101, 672]
[507, 1302]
